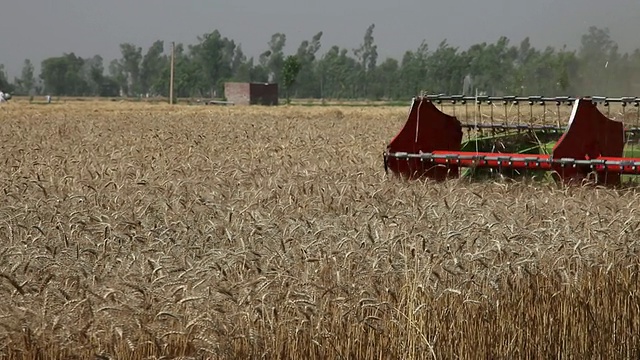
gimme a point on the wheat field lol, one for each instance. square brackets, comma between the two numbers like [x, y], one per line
[138, 231]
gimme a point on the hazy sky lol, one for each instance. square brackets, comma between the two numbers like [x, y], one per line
[37, 29]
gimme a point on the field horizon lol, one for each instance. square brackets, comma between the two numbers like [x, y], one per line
[140, 231]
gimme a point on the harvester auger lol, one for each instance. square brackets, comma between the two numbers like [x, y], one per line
[590, 145]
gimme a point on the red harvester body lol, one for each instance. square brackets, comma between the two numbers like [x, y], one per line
[429, 145]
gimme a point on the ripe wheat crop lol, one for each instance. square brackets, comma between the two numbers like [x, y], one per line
[146, 231]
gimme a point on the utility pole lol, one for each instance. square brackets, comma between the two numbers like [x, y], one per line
[173, 46]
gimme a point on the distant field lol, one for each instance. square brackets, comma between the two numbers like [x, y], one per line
[135, 231]
[196, 101]
[467, 113]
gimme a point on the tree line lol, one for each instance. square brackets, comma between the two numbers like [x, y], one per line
[201, 69]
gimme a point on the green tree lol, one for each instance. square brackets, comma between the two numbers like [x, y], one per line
[151, 69]
[290, 70]
[240, 66]
[119, 76]
[338, 76]
[5, 86]
[187, 76]
[386, 80]
[525, 59]
[130, 67]
[598, 55]
[275, 56]
[566, 74]
[259, 73]
[367, 55]
[492, 66]
[63, 76]
[413, 71]
[27, 81]
[93, 74]
[634, 72]
[445, 70]
[213, 55]
[308, 79]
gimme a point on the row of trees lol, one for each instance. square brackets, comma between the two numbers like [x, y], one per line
[597, 67]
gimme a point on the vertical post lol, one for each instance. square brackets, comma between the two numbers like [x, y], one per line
[173, 45]
[475, 117]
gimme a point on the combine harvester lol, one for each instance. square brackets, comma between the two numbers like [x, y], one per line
[590, 146]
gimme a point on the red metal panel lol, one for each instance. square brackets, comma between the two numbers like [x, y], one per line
[590, 135]
[427, 129]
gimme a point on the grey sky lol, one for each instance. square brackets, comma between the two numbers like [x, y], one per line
[37, 29]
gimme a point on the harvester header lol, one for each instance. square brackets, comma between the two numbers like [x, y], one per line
[591, 145]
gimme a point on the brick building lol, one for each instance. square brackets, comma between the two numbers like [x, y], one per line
[251, 93]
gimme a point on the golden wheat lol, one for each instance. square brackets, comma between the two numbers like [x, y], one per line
[137, 231]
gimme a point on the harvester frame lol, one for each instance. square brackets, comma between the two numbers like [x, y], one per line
[591, 146]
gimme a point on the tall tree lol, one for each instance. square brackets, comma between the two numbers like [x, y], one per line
[598, 53]
[119, 76]
[187, 74]
[337, 71]
[213, 55]
[240, 66]
[367, 55]
[525, 59]
[413, 70]
[308, 84]
[275, 56]
[290, 71]
[387, 84]
[445, 70]
[27, 81]
[130, 66]
[93, 73]
[492, 65]
[634, 72]
[5, 86]
[63, 75]
[566, 74]
[151, 68]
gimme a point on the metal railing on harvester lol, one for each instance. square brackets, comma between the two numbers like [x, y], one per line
[519, 135]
